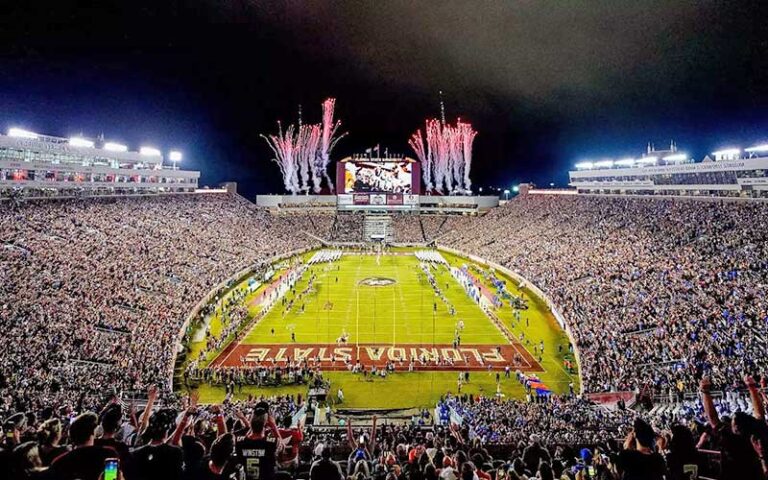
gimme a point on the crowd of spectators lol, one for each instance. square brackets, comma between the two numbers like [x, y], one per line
[660, 295]
[265, 439]
[94, 292]
[657, 292]
[409, 228]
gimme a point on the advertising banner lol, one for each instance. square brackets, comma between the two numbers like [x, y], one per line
[344, 199]
[378, 199]
[411, 199]
[361, 199]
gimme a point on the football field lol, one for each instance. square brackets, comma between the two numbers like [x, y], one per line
[404, 308]
[394, 309]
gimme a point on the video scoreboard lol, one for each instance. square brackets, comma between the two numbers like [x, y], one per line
[378, 183]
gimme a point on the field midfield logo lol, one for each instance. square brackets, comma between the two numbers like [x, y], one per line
[377, 281]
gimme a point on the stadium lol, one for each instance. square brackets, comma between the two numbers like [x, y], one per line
[373, 315]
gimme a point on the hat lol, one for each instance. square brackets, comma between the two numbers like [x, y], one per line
[586, 455]
[161, 422]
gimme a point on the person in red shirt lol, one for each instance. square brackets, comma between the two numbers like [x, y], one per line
[291, 438]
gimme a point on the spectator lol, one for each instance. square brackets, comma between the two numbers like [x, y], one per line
[222, 463]
[49, 436]
[638, 460]
[325, 468]
[158, 459]
[85, 461]
[257, 454]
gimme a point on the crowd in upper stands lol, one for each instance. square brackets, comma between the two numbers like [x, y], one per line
[657, 293]
[93, 293]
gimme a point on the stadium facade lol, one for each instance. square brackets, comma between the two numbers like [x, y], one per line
[32, 164]
[726, 173]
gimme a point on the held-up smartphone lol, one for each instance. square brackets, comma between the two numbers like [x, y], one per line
[111, 467]
[501, 474]
[591, 471]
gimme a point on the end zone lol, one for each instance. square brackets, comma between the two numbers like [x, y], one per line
[342, 357]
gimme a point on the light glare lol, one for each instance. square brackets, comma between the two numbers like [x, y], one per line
[647, 160]
[115, 147]
[21, 133]
[757, 148]
[676, 157]
[175, 156]
[727, 152]
[584, 166]
[80, 142]
[149, 151]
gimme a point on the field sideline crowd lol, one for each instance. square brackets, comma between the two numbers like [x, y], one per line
[662, 296]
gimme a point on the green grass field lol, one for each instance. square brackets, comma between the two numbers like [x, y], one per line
[401, 313]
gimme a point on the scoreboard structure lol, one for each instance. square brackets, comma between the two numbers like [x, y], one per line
[379, 187]
[366, 183]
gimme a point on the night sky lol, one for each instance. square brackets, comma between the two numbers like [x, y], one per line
[546, 84]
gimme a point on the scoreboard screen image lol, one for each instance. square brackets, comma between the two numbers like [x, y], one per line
[385, 177]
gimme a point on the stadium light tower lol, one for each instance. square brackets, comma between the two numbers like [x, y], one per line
[506, 194]
[174, 156]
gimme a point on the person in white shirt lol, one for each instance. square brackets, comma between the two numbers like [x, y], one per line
[448, 472]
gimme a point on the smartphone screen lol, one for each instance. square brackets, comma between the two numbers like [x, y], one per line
[111, 466]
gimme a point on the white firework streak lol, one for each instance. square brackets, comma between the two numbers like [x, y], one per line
[282, 146]
[417, 144]
[306, 146]
[328, 139]
[467, 138]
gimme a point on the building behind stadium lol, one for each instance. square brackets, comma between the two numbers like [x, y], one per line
[33, 164]
[729, 172]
